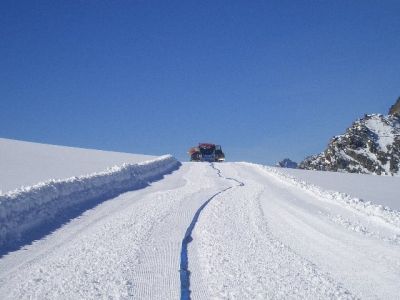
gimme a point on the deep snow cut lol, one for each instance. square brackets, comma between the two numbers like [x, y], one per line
[28, 209]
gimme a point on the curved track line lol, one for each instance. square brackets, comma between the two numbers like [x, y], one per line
[184, 263]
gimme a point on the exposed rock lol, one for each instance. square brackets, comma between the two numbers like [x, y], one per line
[371, 145]
[395, 109]
[287, 163]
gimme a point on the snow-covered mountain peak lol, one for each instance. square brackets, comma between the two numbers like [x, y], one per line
[371, 145]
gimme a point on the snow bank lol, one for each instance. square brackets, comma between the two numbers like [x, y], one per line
[46, 162]
[380, 212]
[26, 209]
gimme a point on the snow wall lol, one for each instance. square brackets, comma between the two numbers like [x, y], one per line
[27, 209]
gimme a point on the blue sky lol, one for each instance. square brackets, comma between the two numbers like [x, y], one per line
[266, 79]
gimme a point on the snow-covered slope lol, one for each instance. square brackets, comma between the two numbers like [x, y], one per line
[25, 163]
[31, 211]
[380, 190]
[25, 211]
[205, 231]
[371, 145]
[216, 231]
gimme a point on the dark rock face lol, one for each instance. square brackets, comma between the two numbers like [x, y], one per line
[395, 109]
[287, 163]
[371, 146]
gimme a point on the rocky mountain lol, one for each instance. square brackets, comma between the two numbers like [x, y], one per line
[395, 109]
[287, 163]
[371, 146]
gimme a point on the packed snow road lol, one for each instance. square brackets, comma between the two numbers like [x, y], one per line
[223, 231]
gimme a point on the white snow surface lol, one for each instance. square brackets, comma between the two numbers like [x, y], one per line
[26, 163]
[380, 190]
[23, 211]
[384, 131]
[260, 234]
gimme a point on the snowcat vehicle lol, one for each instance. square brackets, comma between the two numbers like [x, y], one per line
[194, 154]
[207, 152]
[219, 155]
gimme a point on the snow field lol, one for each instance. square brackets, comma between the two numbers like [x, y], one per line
[383, 213]
[385, 130]
[259, 266]
[122, 249]
[26, 163]
[379, 190]
[28, 208]
[94, 256]
[366, 264]
[261, 235]
[157, 275]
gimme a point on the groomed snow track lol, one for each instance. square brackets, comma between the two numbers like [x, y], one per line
[184, 263]
[223, 231]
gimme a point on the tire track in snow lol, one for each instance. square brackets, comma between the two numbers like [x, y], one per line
[184, 263]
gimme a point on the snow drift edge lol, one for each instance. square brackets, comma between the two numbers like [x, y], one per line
[28, 208]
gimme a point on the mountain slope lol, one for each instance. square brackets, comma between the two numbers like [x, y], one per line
[371, 146]
[395, 108]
